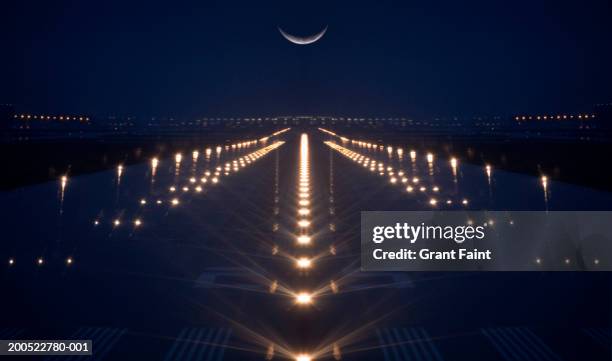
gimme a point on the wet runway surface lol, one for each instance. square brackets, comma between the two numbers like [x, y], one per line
[250, 250]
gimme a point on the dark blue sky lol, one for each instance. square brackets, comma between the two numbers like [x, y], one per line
[407, 58]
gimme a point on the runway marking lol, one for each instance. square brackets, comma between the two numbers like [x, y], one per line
[213, 278]
[602, 336]
[196, 344]
[10, 333]
[519, 344]
[103, 341]
[407, 344]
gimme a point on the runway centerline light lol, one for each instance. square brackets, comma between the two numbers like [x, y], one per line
[303, 357]
[303, 262]
[303, 298]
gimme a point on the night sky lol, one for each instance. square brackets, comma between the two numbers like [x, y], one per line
[382, 58]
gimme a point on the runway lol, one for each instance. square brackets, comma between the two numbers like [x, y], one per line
[248, 249]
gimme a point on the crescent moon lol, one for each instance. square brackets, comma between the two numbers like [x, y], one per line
[303, 40]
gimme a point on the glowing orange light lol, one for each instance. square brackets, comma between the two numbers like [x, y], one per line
[333, 286]
[303, 357]
[273, 286]
[303, 298]
[303, 263]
